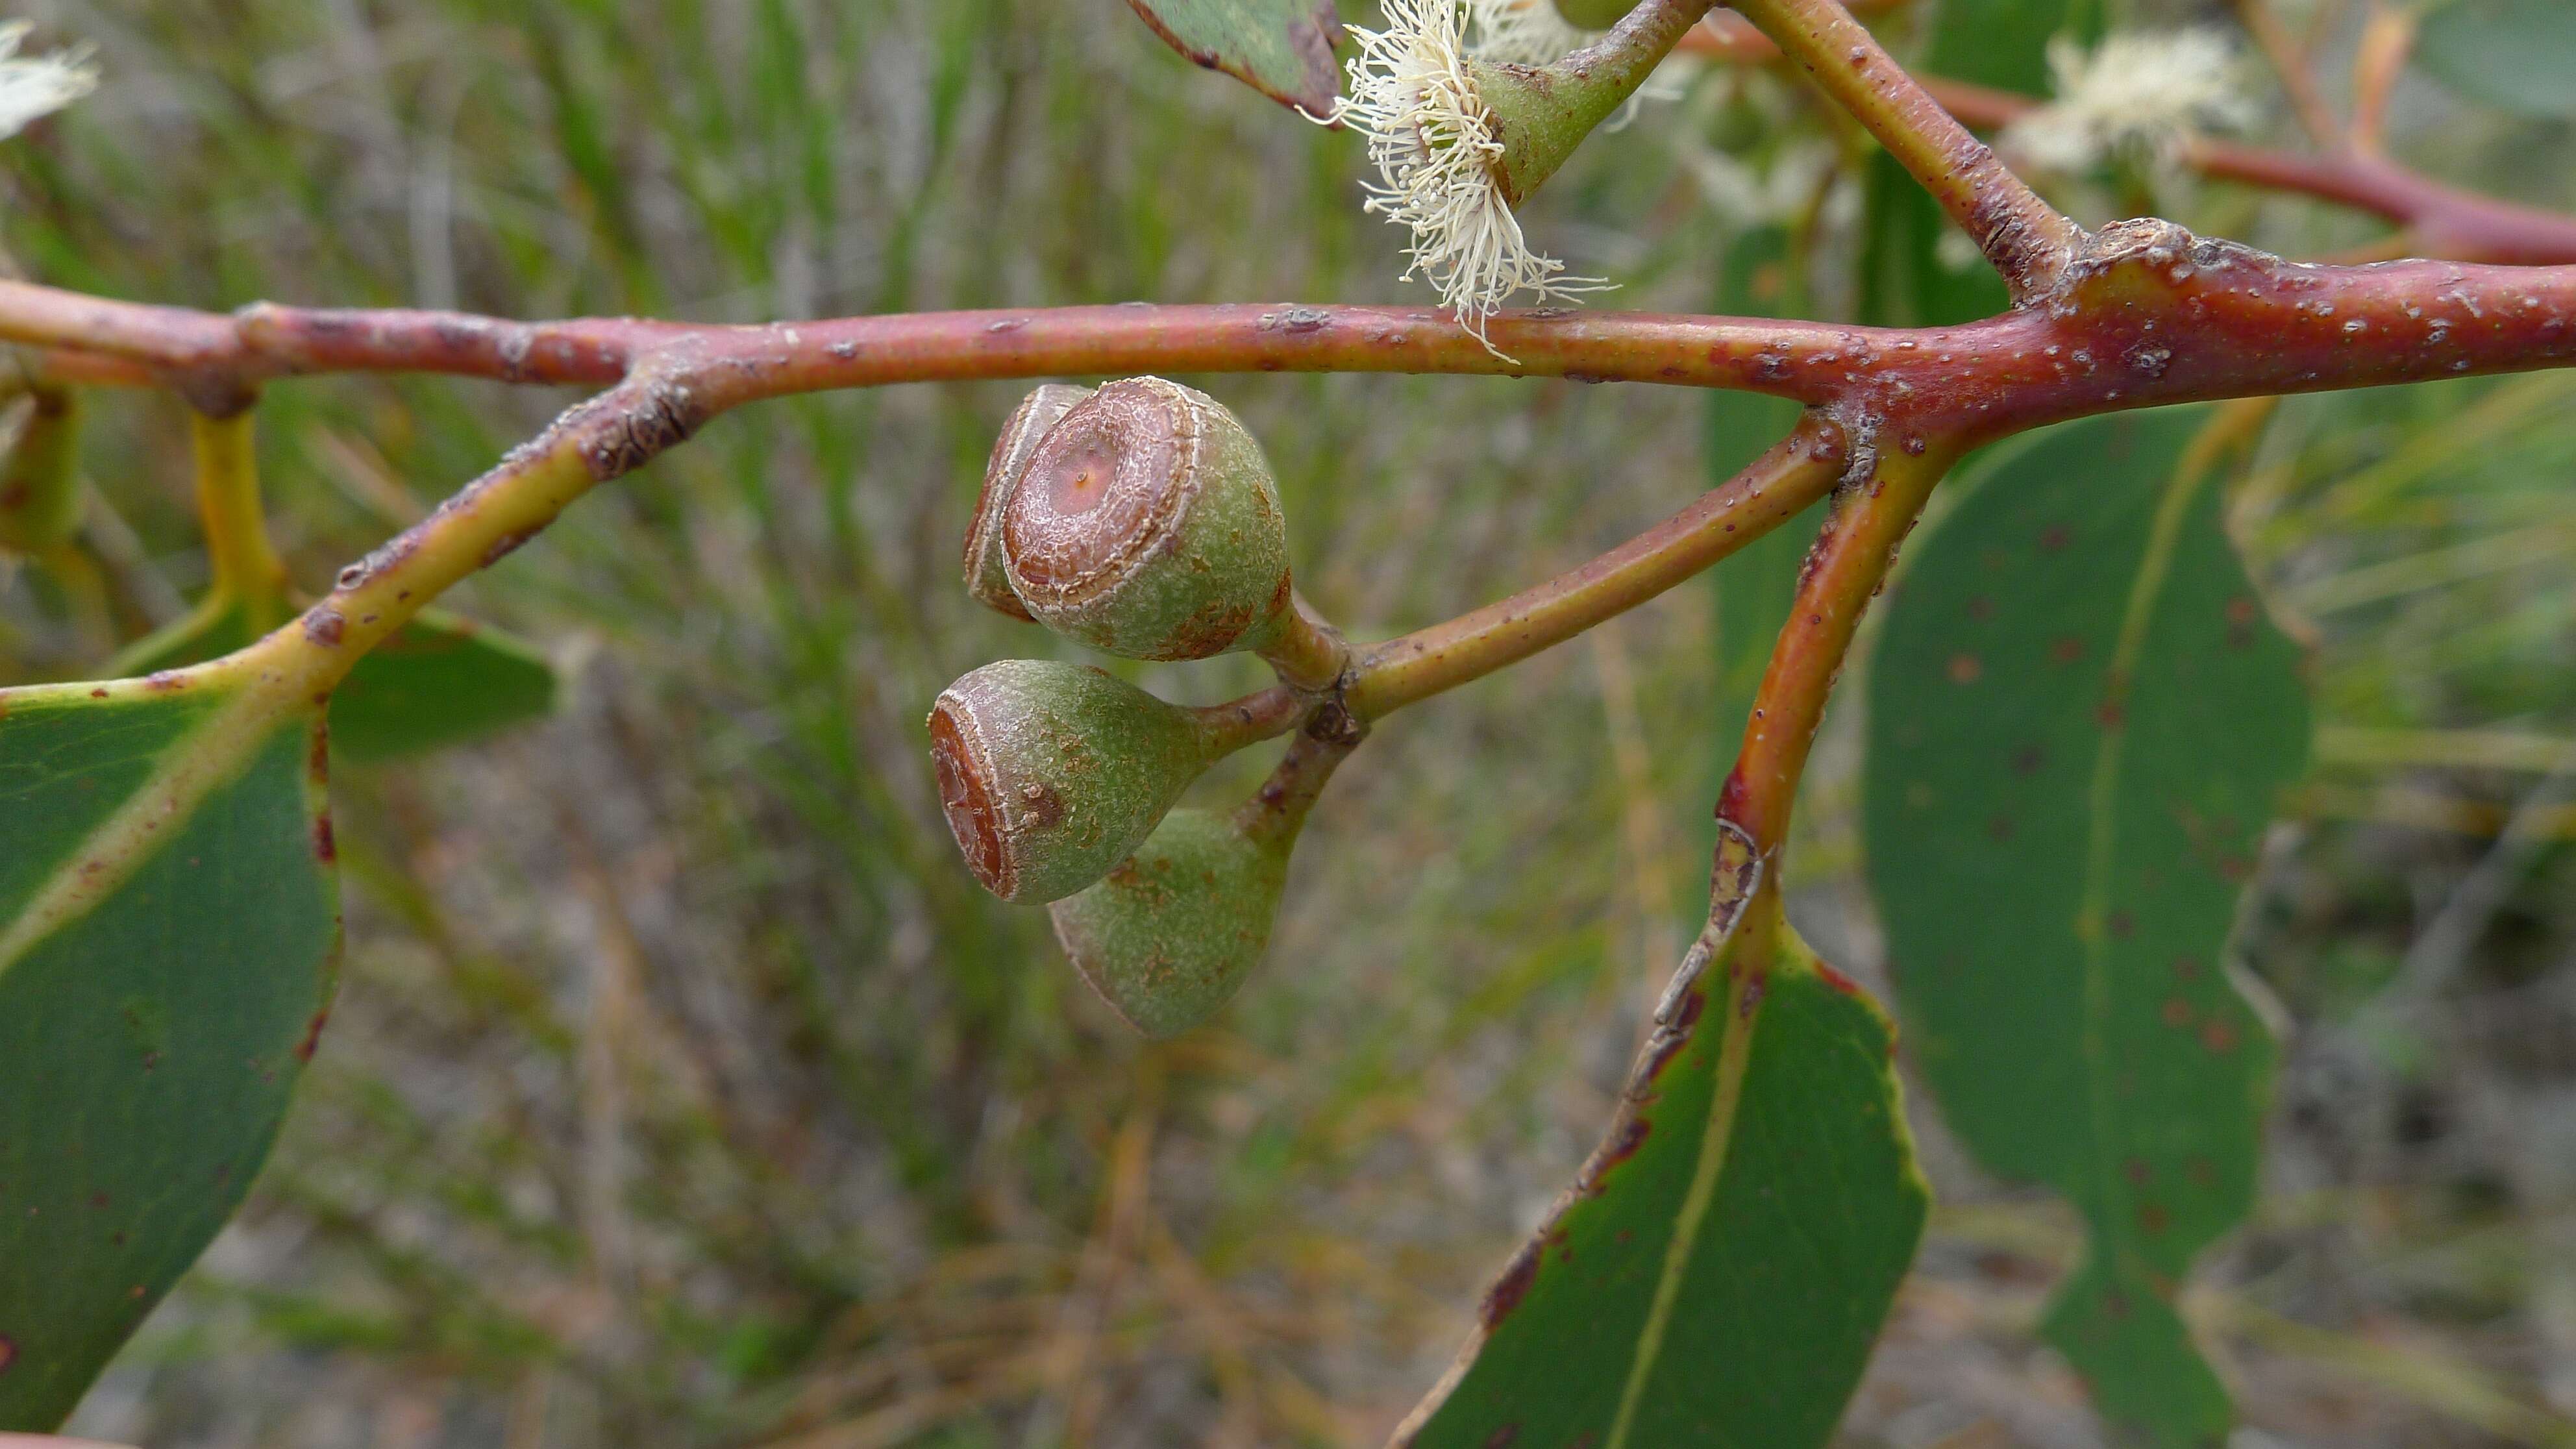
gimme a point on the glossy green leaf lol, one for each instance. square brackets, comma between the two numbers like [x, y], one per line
[2515, 55]
[169, 928]
[2080, 721]
[1281, 48]
[1917, 268]
[441, 680]
[1718, 1274]
[1758, 277]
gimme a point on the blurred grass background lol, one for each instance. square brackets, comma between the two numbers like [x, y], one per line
[685, 1091]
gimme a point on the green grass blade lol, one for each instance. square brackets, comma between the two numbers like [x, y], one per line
[2080, 720]
[169, 928]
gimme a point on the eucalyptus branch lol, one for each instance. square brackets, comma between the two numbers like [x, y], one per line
[2026, 239]
[1852, 556]
[1771, 490]
[2444, 221]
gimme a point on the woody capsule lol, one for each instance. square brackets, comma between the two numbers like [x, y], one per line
[1146, 524]
[1140, 519]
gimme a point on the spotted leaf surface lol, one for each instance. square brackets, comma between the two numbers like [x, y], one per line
[168, 932]
[2080, 720]
[1717, 1275]
[1281, 48]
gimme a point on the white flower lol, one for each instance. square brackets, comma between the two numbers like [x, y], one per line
[35, 86]
[1433, 143]
[2136, 94]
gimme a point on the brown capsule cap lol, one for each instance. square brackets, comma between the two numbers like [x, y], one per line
[1147, 524]
[987, 573]
[965, 773]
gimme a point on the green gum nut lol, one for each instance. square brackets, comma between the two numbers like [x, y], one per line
[1169, 936]
[1147, 525]
[40, 481]
[1052, 773]
[987, 572]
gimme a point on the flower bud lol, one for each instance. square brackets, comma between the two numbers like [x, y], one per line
[40, 480]
[1147, 524]
[1168, 937]
[987, 572]
[1052, 773]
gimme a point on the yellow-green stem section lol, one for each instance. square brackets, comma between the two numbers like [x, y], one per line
[596, 440]
[246, 568]
[1778, 485]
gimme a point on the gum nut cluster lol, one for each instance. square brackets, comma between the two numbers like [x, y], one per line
[1052, 773]
[1168, 937]
[1145, 523]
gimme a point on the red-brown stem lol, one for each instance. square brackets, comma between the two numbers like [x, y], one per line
[1851, 558]
[1772, 489]
[2445, 220]
[102, 340]
[2240, 324]
[2026, 239]
[2448, 222]
[1278, 809]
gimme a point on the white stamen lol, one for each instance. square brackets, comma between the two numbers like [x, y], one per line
[2136, 94]
[36, 86]
[1433, 142]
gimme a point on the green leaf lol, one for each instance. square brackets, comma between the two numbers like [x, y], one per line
[1917, 268]
[2515, 55]
[2080, 721]
[1910, 275]
[169, 928]
[1719, 1272]
[440, 680]
[1758, 277]
[1281, 48]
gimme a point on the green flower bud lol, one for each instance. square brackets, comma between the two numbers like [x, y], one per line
[987, 572]
[40, 480]
[1147, 524]
[1052, 773]
[1168, 937]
